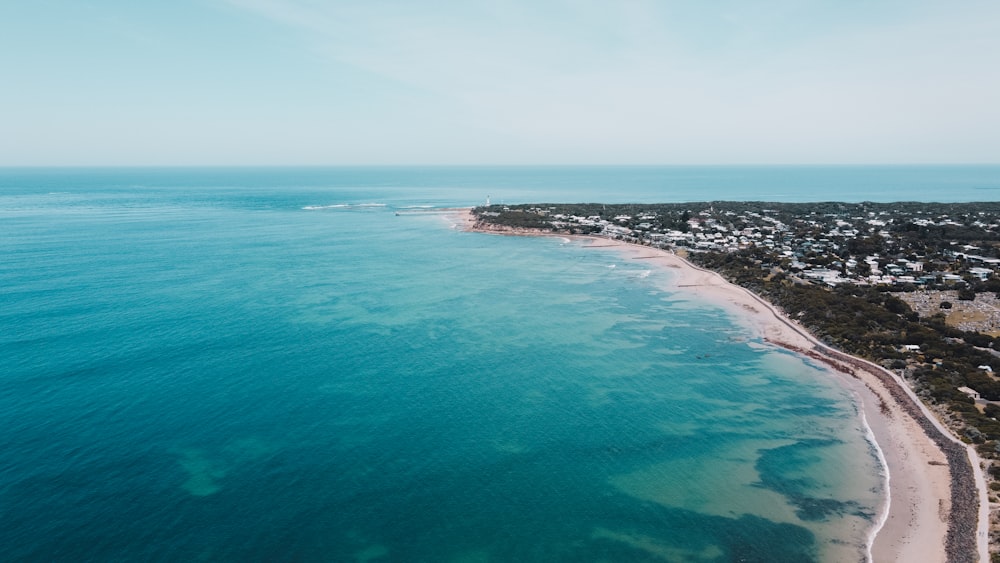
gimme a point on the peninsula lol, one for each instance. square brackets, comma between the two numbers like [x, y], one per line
[899, 299]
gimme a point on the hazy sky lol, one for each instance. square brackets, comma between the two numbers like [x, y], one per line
[499, 82]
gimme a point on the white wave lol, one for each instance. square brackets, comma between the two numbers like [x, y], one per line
[315, 207]
[343, 206]
[883, 515]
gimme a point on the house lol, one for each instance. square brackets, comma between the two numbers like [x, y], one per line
[970, 392]
[981, 273]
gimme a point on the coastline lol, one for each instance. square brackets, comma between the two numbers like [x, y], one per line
[935, 504]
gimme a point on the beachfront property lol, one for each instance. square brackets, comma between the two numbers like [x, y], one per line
[866, 243]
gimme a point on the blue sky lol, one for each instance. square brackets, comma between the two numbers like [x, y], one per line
[201, 82]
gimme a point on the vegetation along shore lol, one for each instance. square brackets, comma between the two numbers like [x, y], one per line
[899, 297]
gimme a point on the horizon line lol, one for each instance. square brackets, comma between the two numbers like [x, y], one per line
[506, 165]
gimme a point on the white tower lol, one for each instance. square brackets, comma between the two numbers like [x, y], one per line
[487, 201]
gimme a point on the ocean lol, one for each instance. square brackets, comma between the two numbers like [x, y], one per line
[310, 364]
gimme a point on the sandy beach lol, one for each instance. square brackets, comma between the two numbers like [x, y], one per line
[936, 505]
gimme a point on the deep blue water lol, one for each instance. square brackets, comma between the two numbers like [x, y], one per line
[267, 187]
[218, 364]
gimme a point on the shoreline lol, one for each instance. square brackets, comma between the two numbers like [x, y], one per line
[935, 504]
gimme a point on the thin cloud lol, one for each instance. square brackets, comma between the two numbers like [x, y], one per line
[672, 75]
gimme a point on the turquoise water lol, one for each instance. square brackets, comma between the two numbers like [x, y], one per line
[218, 365]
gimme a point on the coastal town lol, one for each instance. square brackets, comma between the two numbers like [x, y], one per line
[907, 244]
[939, 258]
[911, 287]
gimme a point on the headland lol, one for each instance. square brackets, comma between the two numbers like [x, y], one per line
[935, 508]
